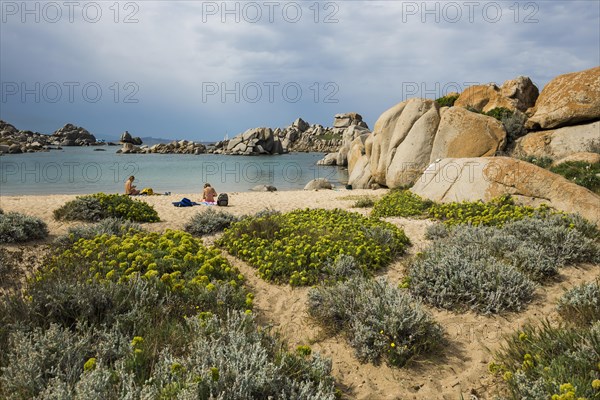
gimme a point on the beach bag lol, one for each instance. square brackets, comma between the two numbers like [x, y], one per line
[223, 200]
[147, 191]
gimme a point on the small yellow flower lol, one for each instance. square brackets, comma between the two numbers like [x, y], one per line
[393, 344]
[596, 384]
[507, 376]
[523, 336]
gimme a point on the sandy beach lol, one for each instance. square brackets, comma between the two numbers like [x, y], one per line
[462, 367]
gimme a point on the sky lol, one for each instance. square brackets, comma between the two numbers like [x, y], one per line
[200, 70]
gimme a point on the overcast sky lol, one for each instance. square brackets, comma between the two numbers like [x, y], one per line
[200, 70]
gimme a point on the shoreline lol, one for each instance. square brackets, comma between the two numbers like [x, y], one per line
[171, 217]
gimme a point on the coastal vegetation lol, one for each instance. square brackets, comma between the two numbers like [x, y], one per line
[18, 228]
[296, 247]
[95, 207]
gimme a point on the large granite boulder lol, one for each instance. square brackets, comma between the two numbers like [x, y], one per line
[586, 157]
[472, 179]
[462, 133]
[301, 125]
[559, 143]
[71, 135]
[412, 133]
[351, 133]
[515, 94]
[348, 119]
[568, 99]
[402, 142]
[319, 183]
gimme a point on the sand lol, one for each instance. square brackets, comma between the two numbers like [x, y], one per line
[462, 366]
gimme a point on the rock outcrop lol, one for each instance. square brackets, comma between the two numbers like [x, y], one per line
[14, 141]
[174, 147]
[71, 135]
[408, 136]
[472, 179]
[299, 136]
[559, 143]
[515, 94]
[568, 99]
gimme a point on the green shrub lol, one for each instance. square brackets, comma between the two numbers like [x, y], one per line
[474, 267]
[230, 358]
[109, 226]
[380, 321]
[447, 101]
[8, 266]
[16, 228]
[457, 278]
[499, 113]
[222, 358]
[296, 247]
[581, 304]
[582, 173]
[542, 162]
[496, 212]
[342, 268]
[175, 259]
[401, 203]
[209, 222]
[549, 362]
[95, 207]
[364, 202]
[102, 293]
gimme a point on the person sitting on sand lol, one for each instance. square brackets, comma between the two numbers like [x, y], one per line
[130, 187]
[209, 193]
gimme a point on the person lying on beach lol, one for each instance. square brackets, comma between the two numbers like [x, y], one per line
[130, 187]
[209, 193]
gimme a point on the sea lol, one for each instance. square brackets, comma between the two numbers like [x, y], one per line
[83, 170]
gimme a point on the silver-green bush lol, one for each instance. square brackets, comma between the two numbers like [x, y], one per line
[228, 358]
[380, 321]
[464, 276]
[209, 222]
[492, 269]
[581, 304]
[16, 227]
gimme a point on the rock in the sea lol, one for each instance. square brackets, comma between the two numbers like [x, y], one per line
[472, 179]
[515, 94]
[71, 135]
[568, 99]
[559, 143]
[126, 138]
[319, 183]
[329, 159]
[264, 188]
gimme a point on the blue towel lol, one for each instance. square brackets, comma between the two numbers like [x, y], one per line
[185, 202]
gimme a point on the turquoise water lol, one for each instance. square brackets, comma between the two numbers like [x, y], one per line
[81, 170]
